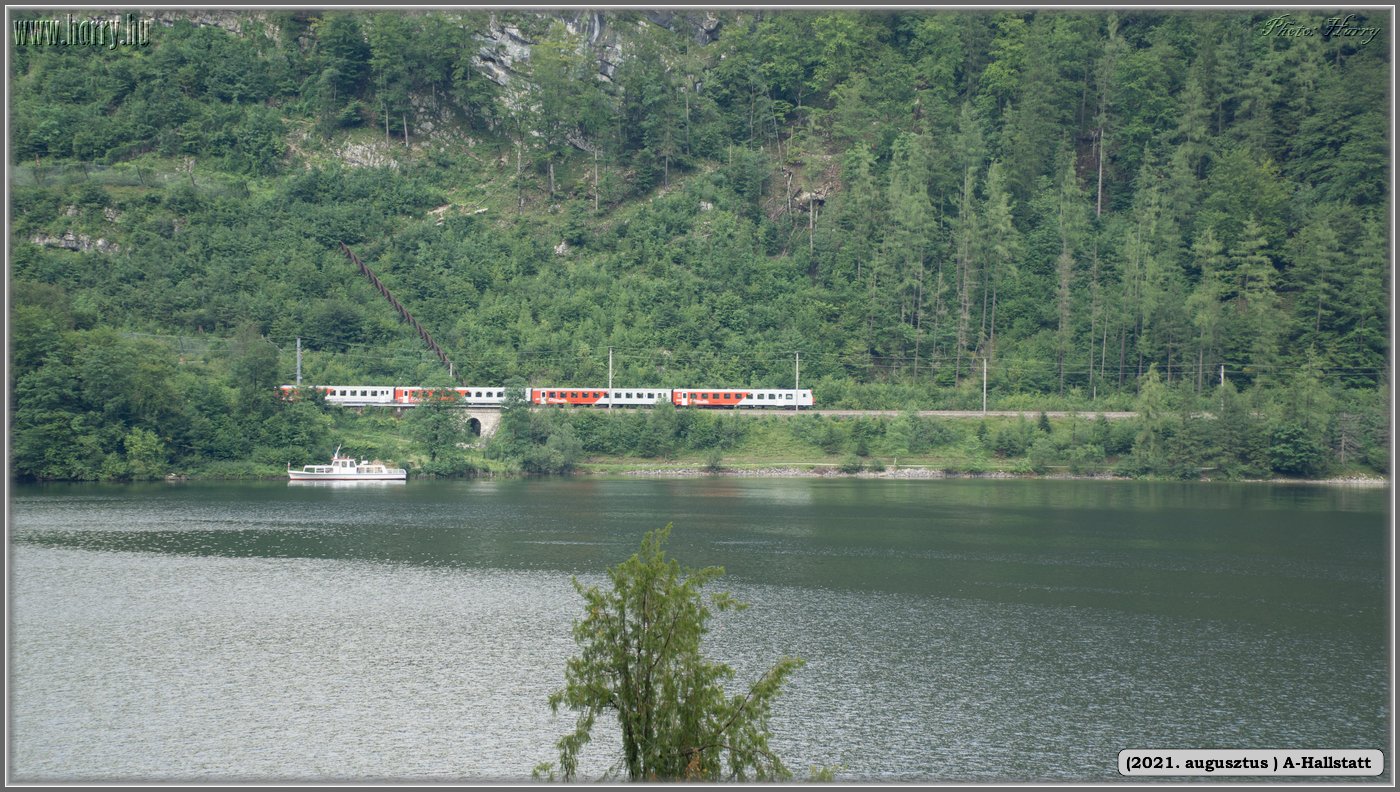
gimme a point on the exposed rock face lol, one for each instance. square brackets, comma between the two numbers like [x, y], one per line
[79, 242]
[501, 55]
[702, 26]
[368, 155]
[504, 46]
[232, 21]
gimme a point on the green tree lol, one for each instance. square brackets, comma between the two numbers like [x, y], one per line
[389, 36]
[1204, 303]
[641, 659]
[1002, 250]
[145, 454]
[1153, 421]
[437, 425]
[1073, 216]
[566, 99]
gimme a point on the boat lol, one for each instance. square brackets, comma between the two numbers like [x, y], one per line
[345, 468]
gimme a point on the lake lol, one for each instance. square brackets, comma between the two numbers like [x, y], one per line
[954, 630]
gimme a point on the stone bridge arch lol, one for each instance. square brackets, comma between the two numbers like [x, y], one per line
[482, 423]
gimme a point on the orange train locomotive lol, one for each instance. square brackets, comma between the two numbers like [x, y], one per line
[411, 396]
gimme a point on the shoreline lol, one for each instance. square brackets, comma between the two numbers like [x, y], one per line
[916, 473]
[813, 470]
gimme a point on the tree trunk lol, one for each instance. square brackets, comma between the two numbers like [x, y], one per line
[811, 223]
[519, 185]
[918, 317]
[1098, 208]
[992, 339]
[1122, 353]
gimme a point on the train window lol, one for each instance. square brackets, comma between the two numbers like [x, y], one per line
[789, 397]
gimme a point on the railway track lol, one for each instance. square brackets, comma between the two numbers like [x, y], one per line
[1028, 414]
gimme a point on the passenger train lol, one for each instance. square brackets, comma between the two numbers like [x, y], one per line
[495, 396]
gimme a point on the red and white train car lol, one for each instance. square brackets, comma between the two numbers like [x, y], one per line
[600, 397]
[756, 398]
[349, 395]
[472, 395]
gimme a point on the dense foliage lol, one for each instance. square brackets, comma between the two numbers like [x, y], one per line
[641, 661]
[1073, 200]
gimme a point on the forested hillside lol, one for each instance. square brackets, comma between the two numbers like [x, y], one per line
[1083, 202]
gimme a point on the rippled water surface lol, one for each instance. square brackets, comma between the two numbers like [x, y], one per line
[953, 630]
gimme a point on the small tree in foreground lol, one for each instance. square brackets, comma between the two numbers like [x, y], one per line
[641, 659]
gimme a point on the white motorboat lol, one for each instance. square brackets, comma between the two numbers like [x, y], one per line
[344, 468]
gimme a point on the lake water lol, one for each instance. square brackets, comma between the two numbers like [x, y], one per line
[954, 630]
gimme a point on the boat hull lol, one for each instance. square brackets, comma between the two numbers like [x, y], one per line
[297, 475]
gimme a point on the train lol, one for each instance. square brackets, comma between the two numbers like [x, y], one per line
[495, 396]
